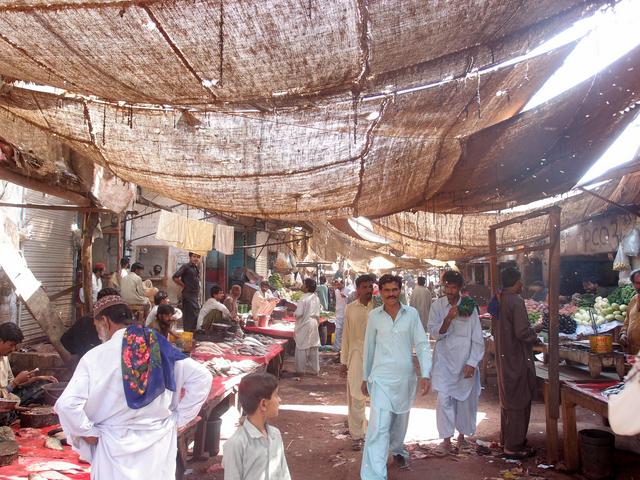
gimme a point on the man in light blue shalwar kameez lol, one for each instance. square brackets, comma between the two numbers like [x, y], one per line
[389, 376]
[458, 352]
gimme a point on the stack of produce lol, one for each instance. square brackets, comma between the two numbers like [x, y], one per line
[586, 300]
[566, 324]
[535, 307]
[622, 295]
[603, 310]
[568, 309]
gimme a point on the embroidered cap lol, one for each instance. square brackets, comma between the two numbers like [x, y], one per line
[106, 302]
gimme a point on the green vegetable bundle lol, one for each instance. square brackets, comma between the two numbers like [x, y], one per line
[275, 280]
[534, 317]
[622, 295]
[467, 306]
[587, 300]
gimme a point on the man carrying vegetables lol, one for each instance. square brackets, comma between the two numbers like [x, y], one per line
[630, 331]
[455, 325]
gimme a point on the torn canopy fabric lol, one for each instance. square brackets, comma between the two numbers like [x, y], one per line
[463, 236]
[351, 129]
[310, 163]
[208, 52]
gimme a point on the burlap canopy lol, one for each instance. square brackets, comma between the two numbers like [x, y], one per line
[307, 110]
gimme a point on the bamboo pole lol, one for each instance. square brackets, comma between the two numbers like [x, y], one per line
[553, 400]
[90, 223]
[493, 262]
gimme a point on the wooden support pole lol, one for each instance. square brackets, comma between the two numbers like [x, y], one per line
[68, 208]
[90, 222]
[120, 245]
[33, 184]
[49, 319]
[553, 397]
[493, 262]
[37, 302]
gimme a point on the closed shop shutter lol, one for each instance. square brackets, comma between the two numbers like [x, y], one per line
[50, 256]
[262, 259]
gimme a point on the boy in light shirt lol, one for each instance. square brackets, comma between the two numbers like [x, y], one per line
[255, 451]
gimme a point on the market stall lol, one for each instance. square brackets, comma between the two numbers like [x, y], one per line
[37, 458]
[278, 329]
[591, 395]
[228, 360]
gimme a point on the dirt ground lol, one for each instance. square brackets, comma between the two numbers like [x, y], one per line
[312, 421]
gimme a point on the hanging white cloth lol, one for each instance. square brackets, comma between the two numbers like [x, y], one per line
[224, 239]
[192, 235]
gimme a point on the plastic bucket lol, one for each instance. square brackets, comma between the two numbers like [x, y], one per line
[263, 320]
[212, 440]
[596, 450]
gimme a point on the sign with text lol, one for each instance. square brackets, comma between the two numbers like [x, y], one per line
[600, 235]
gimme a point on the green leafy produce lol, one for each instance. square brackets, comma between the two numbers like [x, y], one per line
[275, 280]
[534, 317]
[295, 296]
[622, 295]
[587, 300]
[467, 306]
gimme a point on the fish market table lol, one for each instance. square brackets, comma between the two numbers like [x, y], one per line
[35, 458]
[277, 329]
[222, 396]
[587, 394]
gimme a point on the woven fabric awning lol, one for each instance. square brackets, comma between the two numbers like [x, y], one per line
[302, 110]
[188, 52]
[455, 236]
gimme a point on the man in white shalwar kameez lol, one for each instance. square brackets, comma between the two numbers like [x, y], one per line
[351, 356]
[394, 330]
[120, 441]
[421, 300]
[306, 332]
[457, 354]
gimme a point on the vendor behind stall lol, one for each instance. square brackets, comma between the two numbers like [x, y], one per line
[592, 285]
[26, 386]
[132, 290]
[262, 298]
[213, 310]
[538, 291]
[630, 331]
[164, 321]
[161, 298]
[231, 302]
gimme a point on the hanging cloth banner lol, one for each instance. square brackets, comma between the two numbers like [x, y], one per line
[192, 235]
[224, 239]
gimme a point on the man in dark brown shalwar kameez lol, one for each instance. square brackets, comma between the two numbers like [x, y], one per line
[514, 339]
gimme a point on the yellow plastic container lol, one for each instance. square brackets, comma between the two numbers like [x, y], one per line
[332, 338]
[602, 343]
[187, 340]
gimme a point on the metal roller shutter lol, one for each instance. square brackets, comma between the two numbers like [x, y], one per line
[50, 256]
[263, 252]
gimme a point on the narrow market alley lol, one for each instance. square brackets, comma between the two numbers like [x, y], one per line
[312, 421]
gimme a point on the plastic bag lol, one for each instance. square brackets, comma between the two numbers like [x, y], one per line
[631, 243]
[623, 407]
[621, 262]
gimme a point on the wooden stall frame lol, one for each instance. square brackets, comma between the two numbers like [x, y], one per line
[552, 392]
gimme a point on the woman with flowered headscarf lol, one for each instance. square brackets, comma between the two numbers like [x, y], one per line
[129, 397]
